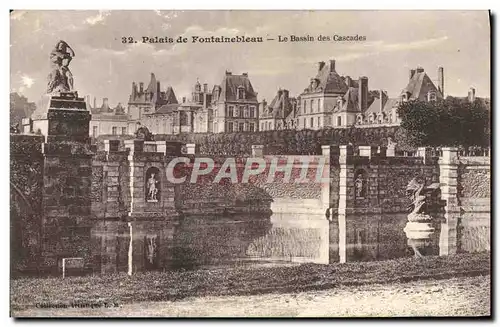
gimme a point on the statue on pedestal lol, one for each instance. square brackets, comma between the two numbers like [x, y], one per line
[60, 78]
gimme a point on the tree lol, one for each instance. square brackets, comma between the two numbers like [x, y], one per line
[449, 122]
[20, 108]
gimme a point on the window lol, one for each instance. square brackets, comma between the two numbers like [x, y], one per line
[328, 121]
[94, 131]
[262, 126]
[114, 130]
[216, 130]
[319, 121]
[241, 127]
[236, 112]
[245, 112]
[251, 127]
[230, 127]
[216, 113]
[319, 105]
[124, 130]
[312, 105]
[252, 112]
[339, 121]
[240, 93]
[432, 96]
[312, 122]
[230, 111]
[304, 122]
[305, 107]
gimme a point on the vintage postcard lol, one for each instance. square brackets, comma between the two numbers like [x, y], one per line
[250, 163]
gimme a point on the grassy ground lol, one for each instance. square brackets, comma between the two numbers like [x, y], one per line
[463, 296]
[171, 286]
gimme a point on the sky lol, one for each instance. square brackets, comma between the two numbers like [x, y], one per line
[396, 41]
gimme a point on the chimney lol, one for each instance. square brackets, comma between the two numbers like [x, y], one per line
[382, 103]
[183, 99]
[348, 81]
[441, 80]
[412, 72]
[472, 94]
[134, 90]
[141, 87]
[363, 93]
[420, 70]
[105, 103]
[321, 64]
[228, 73]
[245, 74]
[158, 87]
[205, 88]
[332, 65]
[95, 103]
[285, 94]
[280, 92]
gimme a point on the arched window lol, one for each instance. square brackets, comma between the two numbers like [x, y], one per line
[339, 121]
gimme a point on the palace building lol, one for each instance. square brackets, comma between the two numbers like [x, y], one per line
[235, 105]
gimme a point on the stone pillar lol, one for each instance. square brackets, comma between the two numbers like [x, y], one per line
[346, 196]
[27, 126]
[367, 150]
[448, 177]
[150, 146]
[425, 153]
[192, 148]
[257, 150]
[67, 171]
[151, 221]
[111, 145]
[391, 150]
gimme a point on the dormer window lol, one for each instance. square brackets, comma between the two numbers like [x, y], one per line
[431, 96]
[240, 93]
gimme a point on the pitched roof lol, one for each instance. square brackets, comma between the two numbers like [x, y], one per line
[388, 103]
[280, 106]
[328, 81]
[170, 96]
[166, 109]
[230, 84]
[419, 85]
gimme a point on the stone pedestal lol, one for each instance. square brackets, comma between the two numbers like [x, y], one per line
[66, 211]
[62, 117]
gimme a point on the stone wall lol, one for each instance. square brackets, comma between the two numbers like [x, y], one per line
[474, 198]
[26, 183]
[94, 205]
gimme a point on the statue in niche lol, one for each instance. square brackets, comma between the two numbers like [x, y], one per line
[360, 185]
[152, 188]
[60, 78]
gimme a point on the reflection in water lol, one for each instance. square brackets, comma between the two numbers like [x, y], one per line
[249, 238]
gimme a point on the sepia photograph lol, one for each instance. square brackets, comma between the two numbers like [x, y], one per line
[250, 163]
